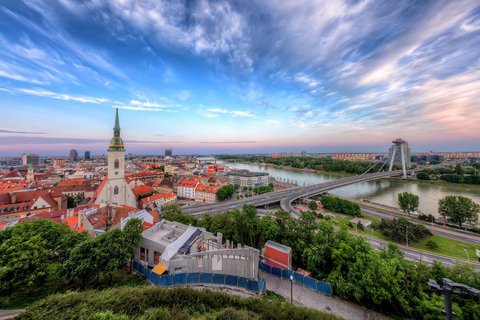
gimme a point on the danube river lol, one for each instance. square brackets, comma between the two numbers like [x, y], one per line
[382, 191]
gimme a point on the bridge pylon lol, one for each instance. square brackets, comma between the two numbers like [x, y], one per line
[399, 152]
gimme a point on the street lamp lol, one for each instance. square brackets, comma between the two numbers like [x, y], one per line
[291, 289]
[468, 257]
[448, 288]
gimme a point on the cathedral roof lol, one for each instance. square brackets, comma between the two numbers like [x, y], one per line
[116, 144]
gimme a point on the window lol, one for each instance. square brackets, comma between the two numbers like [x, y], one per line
[117, 164]
[115, 190]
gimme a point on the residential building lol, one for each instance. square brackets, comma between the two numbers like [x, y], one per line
[206, 193]
[99, 219]
[152, 202]
[186, 188]
[73, 155]
[21, 204]
[304, 153]
[164, 186]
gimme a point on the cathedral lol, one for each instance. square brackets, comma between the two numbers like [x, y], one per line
[114, 189]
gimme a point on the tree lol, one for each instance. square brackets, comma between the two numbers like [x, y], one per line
[423, 176]
[408, 202]
[132, 233]
[459, 209]
[459, 169]
[225, 192]
[22, 262]
[313, 205]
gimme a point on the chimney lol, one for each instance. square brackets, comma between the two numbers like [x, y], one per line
[80, 218]
[13, 197]
[70, 213]
[114, 213]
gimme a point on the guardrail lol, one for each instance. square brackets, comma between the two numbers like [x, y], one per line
[180, 279]
[311, 283]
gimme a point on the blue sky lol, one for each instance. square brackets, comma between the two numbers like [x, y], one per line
[237, 76]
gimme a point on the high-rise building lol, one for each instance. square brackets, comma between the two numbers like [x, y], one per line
[116, 190]
[32, 159]
[73, 155]
[168, 152]
[304, 153]
[399, 153]
[87, 155]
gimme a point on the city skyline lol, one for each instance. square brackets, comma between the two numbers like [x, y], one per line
[223, 77]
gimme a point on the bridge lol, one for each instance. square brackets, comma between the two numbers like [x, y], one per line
[286, 197]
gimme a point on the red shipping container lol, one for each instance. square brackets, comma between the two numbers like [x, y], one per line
[279, 253]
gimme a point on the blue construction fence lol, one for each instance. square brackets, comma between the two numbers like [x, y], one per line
[311, 283]
[180, 279]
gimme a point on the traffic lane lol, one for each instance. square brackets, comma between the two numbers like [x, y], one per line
[439, 230]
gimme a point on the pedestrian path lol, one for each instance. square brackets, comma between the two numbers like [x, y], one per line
[303, 296]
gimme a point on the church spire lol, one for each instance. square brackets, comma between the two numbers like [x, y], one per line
[116, 144]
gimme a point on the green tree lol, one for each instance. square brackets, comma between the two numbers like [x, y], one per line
[423, 176]
[408, 202]
[459, 169]
[459, 209]
[225, 192]
[313, 205]
[132, 233]
[22, 262]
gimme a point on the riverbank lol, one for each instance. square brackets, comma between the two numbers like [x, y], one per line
[443, 183]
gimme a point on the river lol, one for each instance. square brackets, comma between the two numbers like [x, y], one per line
[382, 191]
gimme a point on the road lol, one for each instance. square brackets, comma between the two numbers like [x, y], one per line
[286, 197]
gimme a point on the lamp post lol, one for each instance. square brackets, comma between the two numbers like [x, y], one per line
[406, 234]
[468, 257]
[291, 289]
[449, 287]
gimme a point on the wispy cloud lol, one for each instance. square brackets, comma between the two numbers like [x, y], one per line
[234, 113]
[227, 142]
[60, 96]
[22, 132]
[273, 122]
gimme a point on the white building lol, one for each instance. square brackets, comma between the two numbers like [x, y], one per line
[186, 189]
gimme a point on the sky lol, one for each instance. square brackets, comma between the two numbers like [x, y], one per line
[239, 76]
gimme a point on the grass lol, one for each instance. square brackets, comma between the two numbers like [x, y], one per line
[446, 246]
[449, 247]
[161, 303]
[23, 297]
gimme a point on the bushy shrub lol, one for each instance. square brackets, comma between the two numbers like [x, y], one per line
[431, 244]
[401, 229]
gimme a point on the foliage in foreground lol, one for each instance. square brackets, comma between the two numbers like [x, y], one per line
[381, 280]
[161, 303]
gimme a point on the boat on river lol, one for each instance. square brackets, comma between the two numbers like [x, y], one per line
[309, 170]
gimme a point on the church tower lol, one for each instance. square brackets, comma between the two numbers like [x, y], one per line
[116, 189]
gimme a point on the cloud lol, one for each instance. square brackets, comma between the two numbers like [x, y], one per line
[218, 110]
[227, 142]
[235, 113]
[184, 95]
[60, 96]
[209, 115]
[22, 132]
[273, 122]
[147, 104]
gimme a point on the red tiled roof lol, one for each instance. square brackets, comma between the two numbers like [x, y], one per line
[100, 218]
[187, 183]
[72, 222]
[151, 198]
[141, 190]
[202, 188]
